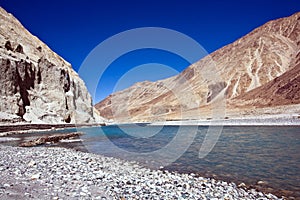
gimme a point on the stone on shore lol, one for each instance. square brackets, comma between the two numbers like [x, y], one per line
[58, 173]
[50, 139]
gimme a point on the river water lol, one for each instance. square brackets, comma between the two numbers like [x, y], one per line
[266, 155]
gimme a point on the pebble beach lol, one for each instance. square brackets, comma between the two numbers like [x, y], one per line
[59, 173]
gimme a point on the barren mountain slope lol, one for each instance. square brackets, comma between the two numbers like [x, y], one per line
[248, 63]
[283, 90]
[37, 85]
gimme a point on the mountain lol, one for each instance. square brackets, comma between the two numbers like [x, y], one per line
[37, 85]
[283, 90]
[236, 72]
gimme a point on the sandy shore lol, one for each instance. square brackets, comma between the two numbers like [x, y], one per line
[58, 173]
[280, 120]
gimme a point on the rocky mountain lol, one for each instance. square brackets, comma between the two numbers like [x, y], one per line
[37, 85]
[283, 90]
[260, 65]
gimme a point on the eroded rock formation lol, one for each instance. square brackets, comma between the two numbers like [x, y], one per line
[37, 85]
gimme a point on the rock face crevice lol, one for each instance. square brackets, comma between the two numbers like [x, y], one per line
[24, 81]
[8, 46]
[65, 80]
[37, 85]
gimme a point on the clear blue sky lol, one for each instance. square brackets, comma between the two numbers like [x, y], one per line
[74, 28]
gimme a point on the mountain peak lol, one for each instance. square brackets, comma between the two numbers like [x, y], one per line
[250, 62]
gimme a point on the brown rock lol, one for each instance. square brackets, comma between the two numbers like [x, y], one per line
[51, 139]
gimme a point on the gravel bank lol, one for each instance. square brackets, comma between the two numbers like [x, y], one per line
[58, 173]
[254, 121]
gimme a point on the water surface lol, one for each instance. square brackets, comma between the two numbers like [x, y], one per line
[242, 153]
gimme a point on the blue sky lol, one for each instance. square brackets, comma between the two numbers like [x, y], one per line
[74, 28]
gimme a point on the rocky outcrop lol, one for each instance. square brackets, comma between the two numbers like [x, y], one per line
[50, 139]
[248, 63]
[37, 85]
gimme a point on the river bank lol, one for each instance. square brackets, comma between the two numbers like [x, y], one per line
[13, 129]
[278, 120]
[58, 173]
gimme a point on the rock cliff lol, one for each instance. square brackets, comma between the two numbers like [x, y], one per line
[245, 65]
[37, 85]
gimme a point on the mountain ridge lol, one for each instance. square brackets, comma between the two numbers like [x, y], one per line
[260, 56]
